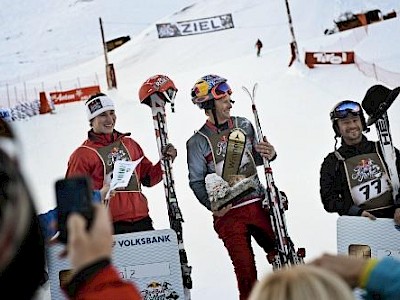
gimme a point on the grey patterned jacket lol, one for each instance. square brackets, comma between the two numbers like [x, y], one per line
[200, 161]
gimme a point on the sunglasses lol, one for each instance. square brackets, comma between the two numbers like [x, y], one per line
[200, 92]
[344, 109]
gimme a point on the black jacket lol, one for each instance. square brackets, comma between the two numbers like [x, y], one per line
[334, 190]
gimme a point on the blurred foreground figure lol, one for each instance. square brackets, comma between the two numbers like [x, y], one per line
[379, 278]
[21, 242]
[302, 282]
[22, 254]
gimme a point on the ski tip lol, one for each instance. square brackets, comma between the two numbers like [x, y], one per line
[244, 87]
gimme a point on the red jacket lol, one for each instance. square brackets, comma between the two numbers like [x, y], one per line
[125, 205]
[106, 284]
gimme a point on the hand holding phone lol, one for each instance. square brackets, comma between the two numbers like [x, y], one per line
[88, 246]
[73, 195]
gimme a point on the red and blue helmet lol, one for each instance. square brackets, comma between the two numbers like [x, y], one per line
[209, 88]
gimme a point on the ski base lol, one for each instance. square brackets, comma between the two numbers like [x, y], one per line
[389, 154]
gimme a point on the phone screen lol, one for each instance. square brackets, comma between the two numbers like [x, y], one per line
[73, 195]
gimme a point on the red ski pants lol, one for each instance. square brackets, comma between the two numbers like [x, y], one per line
[235, 229]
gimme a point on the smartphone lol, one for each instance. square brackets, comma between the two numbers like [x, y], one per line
[73, 195]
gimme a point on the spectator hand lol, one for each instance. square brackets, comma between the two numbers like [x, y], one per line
[347, 267]
[88, 246]
[368, 215]
[169, 152]
[265, 149]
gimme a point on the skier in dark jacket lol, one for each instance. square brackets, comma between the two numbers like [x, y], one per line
[354, 179]
[244, 217]
[259, 45]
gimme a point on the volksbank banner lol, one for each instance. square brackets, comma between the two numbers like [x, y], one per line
[196, 26]
[150, 259]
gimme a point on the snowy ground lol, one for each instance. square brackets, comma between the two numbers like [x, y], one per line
[293, 103]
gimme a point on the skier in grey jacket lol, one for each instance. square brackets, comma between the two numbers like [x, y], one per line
[242, 216]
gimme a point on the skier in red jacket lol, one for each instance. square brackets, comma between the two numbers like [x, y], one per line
[97, 156]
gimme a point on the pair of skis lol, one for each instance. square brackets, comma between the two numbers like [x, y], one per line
[157, 104]
[275, 202]
[389, 154]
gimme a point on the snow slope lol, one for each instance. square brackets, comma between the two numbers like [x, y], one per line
[293, 103]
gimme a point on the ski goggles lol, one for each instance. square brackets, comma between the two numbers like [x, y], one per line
[201, 93]
[345, 108]
[170, 94]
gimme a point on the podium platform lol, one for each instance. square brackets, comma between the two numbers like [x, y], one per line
[363, 237]
[150, 259]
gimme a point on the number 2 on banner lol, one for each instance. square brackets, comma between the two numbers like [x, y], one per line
[388, 253]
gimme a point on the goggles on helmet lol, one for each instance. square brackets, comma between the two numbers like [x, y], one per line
[170, 94]
[201, 93]
[345, 108]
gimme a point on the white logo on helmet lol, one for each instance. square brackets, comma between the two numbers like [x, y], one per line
[160, 82]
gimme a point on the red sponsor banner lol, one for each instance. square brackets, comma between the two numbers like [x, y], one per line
[329, 58]
[80, 94]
